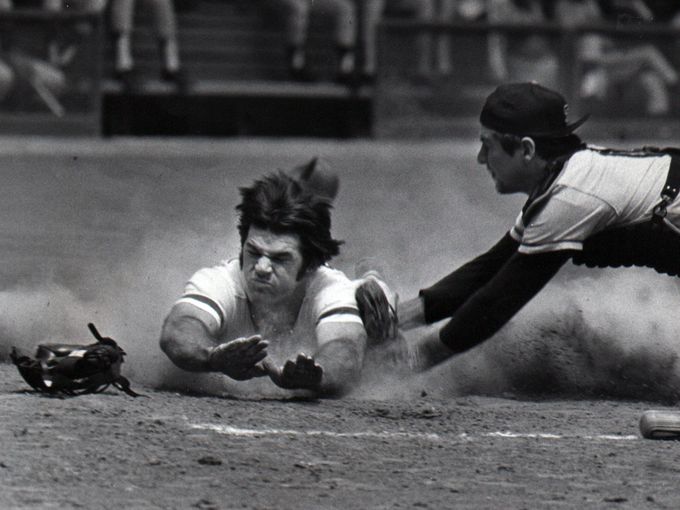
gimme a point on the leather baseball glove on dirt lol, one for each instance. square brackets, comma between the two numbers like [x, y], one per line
[68, 369]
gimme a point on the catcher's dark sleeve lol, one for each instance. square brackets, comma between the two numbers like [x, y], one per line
[494, 304]
[443, 298]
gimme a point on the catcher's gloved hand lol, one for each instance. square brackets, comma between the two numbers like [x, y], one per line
[238, 358]
[378, 315]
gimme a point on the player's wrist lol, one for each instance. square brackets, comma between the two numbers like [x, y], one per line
[411, 313]
[214, 361]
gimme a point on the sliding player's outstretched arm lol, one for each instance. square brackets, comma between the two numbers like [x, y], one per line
[188, 343]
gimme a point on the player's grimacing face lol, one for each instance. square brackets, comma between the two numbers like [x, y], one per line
[271, 264]
[506, 169]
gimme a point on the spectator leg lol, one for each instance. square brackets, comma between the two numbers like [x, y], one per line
[447, 9]
[497, 46]
[122, 14]
[371, 16]
[88, 5]
[52, 5]
[295, 14]
[6, 79]
[50, 38]
[345, 21]
[49, 82]
[165, 28]
[594, 84]
[658, 100]
[658, 61]
[424, 12]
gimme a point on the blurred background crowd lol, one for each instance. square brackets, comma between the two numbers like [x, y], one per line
[57, 55]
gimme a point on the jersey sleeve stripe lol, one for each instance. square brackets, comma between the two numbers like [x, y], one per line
[206, 304]
[529, 249]
[341, 314]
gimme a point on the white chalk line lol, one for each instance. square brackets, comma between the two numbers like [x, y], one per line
[234, 431]
[241, 432]
[596, 437]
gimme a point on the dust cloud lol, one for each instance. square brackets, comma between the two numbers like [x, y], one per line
[422, 209]
[128, 305]
[591, 333]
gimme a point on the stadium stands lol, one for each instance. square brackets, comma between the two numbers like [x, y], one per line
[239, 83]
[236, 63]
[56, 93]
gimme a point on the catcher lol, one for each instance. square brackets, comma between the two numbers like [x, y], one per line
[279, 310]
[597, 207]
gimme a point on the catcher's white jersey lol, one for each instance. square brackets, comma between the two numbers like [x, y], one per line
[220, 292]
[595, 190]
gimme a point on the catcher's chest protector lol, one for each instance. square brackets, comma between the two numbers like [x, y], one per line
[652, 244]
[67, 369]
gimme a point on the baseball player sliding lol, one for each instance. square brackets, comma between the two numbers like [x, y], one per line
[278, 310]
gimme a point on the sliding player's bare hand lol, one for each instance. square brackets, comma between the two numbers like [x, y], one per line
[301, 373]
[239, 358]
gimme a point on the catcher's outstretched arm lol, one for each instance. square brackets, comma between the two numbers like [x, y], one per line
[491, 307]
[494, 304]
[443, 299]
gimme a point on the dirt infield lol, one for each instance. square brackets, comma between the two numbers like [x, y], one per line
[187, 451]
[544, 415]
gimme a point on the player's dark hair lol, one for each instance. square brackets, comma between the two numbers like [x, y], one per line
[546, 148]
[278, 203]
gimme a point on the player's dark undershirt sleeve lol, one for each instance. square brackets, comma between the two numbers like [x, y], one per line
[494, 304]
[443, 298]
